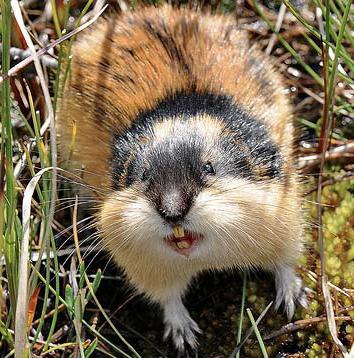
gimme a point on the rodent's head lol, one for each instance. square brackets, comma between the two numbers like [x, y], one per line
[196, 186]
[172, 163]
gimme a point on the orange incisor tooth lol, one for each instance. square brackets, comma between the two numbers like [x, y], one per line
[178, 231]
[183, 244]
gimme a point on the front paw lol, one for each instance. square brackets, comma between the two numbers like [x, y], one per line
[290, 291]
[182, 333]
[180, 327]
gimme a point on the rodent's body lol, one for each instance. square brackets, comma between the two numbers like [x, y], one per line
[181, 124]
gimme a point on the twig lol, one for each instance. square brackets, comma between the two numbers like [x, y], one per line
[342, 151]
[44, 50]
[277, 27]
[330, 316]
[61, 307]
[99, 4]
[62, 331]
[333, 180]
[338, 290]
[312, 94]
[295, 326]
[43, 342]
[18, 55]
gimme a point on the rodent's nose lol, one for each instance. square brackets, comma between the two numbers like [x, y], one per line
[173, 207]
[171, 217]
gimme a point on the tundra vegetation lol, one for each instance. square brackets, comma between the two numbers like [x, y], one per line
[61, 296]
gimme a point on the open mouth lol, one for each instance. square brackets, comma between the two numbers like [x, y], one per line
[183, 241]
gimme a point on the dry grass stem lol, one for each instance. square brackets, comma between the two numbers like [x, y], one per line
[21, 349]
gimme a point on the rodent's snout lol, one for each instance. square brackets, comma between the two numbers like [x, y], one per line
[174, 206]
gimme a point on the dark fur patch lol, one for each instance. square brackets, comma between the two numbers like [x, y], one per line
[166, 39]
[266, 86]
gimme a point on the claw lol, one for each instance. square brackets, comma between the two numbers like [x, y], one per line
[290, 290]
[179, 325]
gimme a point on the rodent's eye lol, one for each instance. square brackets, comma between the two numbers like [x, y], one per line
[208, 168]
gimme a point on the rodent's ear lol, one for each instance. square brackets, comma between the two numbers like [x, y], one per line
[146, 175]
[144, 140]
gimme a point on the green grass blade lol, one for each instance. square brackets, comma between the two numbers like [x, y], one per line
[243, 299]
[287, 46]
[337, 51]
[9, 243]
[258, 335]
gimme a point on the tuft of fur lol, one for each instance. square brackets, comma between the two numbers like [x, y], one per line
[158, 96]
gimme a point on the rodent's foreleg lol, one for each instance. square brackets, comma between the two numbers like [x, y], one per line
[178, 323]
[290, 290]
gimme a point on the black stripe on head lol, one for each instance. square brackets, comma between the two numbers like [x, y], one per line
[162, 35]
[247, 148]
